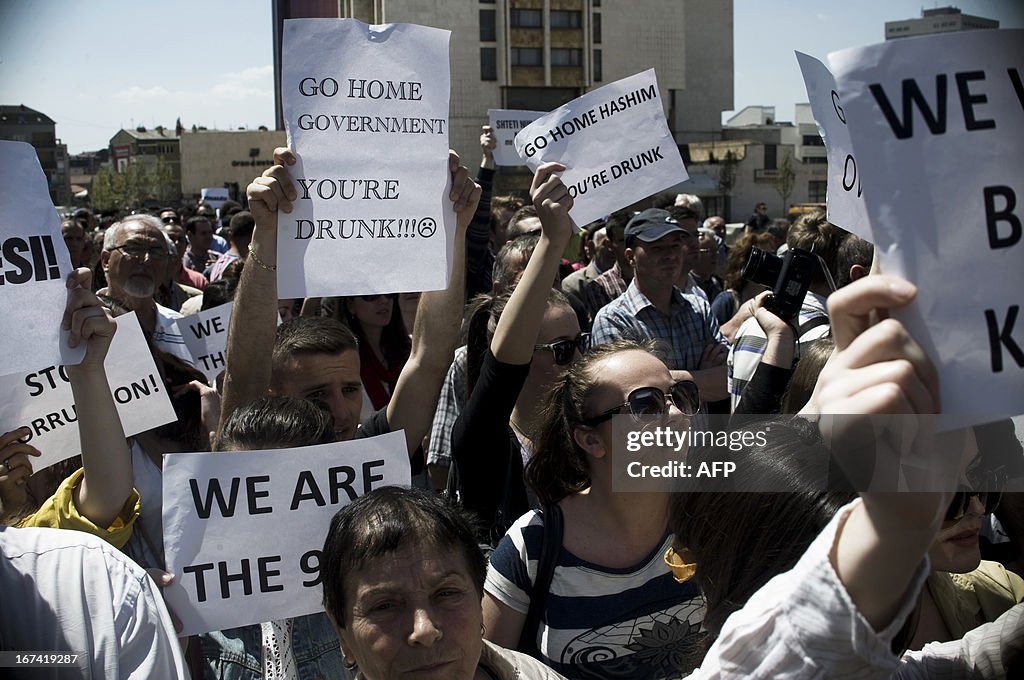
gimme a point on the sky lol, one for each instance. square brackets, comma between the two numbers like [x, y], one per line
[95, 66]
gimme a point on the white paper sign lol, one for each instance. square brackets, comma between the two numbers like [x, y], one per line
[845, 198]
[243, 531]
[42, 399]
[34, 262]
[366, 111]
[214, 196]
[614, 143]
[937, 123]
[505, 123]
[206, 337]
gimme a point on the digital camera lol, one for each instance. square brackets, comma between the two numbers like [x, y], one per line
[788, 276]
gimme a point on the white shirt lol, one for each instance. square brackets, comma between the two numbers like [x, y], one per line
[803, 624]
[68, 591]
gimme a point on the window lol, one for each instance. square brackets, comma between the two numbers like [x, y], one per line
[596, 21]
[487, 30]
[817, 190]
[527, 56]
[566, 57]
[561, 18]
[770, 153]
[526, 18]
[488, 63]
[813, 140]
[598, 74]
[539, 98]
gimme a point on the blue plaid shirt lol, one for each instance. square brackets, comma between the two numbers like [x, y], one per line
[684, 333]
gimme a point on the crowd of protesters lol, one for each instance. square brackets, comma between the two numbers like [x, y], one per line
[513, 556]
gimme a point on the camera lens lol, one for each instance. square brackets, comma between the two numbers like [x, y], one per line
[762, 267]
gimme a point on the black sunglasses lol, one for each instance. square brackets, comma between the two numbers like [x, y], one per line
[989, 492]
[565, 350]
[650, 401]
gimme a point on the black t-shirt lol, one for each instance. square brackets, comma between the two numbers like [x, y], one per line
[377, 424]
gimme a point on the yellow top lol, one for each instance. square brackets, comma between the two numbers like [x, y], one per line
[965, 601]
[59, 512]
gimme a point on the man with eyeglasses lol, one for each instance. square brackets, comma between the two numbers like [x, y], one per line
[654, 308]
[135, 258]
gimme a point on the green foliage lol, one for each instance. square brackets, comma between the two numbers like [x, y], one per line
[785, 180]
[128, 189]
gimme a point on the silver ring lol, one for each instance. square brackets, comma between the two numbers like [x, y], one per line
[7, 464]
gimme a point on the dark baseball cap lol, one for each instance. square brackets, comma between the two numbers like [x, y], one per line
[650, 225]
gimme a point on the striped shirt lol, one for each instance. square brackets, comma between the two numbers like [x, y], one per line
[600, 622]
[748, 347]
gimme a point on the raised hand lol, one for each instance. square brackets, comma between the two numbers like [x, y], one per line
[552, 200]
[87, 320]
[273, 190]
[464, 194]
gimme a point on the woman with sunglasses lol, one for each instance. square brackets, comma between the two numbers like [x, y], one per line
[516, 345]
[612, 608]
[964, 591]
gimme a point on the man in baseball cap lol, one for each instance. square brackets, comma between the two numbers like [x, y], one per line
[654, 308]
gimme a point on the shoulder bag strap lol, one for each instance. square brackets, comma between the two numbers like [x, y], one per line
[550, 547]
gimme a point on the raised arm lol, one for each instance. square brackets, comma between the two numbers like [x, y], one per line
[436, 331]
[106, 483]
[254, 318]
[479, 259]
[517, 329]
[880, 369]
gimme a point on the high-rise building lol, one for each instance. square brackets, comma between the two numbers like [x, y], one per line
[937, 20]
[540, 54]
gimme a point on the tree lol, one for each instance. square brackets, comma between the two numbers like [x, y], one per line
[785, 179]
[727, 178]
[105, 193]
[161, 182]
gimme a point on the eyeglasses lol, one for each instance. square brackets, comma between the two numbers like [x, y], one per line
[565, 350]
[650, 401]
[170, 219]
[987, 487]
[136, 251]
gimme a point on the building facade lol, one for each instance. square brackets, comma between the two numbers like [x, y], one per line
[21, 124]
[937, 20]
[232, 158]
[540, 54]
[154, 149]
[745, 164]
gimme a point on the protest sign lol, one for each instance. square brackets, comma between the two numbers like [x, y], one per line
[938, 133]
[34, 263]
[42, 399]
[505, 123]
[366, 111]
[614, 143]
[243, 531]
[206, 337]
[215, 197]
[845, 195]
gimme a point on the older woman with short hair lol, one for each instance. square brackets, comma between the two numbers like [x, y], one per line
[403, 581]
